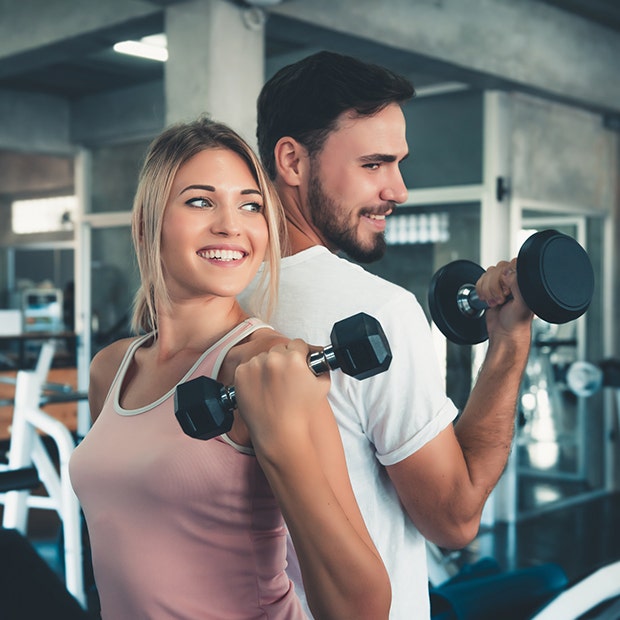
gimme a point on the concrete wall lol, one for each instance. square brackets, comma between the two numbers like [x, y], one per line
[119, 116]
[34, 123]
[563, 155]
[524, 45]
[567, 158]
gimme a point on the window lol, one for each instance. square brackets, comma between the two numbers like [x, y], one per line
[418, 228]
[40, 215]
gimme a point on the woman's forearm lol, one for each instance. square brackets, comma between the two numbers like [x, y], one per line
[343, 576]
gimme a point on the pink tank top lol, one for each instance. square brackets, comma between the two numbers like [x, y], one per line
[180, 528]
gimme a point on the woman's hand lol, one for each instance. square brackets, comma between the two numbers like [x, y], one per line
[277, 393]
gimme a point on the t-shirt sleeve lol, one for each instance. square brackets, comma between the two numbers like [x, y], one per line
[406, 406]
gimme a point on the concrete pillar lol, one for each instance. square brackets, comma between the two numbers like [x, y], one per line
[499, 222]
[498, 227]
[215, 64]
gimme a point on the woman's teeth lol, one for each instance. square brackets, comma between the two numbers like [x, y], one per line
[224, 255]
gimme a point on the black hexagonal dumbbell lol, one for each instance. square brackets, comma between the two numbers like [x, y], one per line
[204, 407]
[555, 278]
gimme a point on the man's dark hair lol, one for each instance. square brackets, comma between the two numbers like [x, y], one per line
[305, 99]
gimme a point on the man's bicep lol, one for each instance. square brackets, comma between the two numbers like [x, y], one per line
[430, 481]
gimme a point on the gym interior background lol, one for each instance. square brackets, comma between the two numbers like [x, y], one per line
[515, 128]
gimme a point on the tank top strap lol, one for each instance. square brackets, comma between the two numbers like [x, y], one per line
[129, 353]
[210, 365]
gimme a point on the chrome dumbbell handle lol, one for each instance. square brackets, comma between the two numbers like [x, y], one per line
[322, 361]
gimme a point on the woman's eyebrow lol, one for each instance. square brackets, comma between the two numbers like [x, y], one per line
[208, 188]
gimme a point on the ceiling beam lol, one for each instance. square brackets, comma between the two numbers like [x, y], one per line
[527, 46]
[37, 33]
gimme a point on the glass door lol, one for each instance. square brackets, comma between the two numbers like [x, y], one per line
[560, 438]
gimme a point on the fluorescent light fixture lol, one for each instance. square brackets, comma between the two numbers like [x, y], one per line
[153, 47]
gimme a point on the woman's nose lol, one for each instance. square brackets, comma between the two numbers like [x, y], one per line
[225, 221]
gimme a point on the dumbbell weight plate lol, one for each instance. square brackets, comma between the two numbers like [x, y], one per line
[555, 276]
[442, 299]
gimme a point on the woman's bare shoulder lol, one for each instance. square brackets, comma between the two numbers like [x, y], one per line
[103, 369]
[110, 357]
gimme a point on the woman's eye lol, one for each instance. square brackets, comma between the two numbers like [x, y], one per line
[254, 207]
[199, 203]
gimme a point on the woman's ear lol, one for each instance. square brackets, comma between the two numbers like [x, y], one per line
[290, 159]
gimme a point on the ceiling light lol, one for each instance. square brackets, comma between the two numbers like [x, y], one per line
[153, 47]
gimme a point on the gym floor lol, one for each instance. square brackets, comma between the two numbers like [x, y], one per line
[580, 538]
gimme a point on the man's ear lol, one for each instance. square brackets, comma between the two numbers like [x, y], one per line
[291, 160]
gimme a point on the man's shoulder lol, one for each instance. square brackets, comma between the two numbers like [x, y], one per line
[319, 265]
[320, 288]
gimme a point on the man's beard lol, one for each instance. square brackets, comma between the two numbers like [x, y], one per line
[328, 216]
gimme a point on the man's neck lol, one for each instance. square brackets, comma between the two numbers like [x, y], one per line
[299, 240]
[301, 232]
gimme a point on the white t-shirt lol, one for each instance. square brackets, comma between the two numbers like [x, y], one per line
[383, 419]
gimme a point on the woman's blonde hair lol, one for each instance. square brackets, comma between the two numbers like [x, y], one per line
[166, 154]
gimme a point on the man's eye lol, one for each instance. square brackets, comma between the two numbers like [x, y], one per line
[373, 166]
[254, 207]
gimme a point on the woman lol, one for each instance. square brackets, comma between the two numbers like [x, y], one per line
[182, 528]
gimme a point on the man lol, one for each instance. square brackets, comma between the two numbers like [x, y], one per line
[331, 133]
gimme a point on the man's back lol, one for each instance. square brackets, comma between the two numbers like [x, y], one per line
[383, 419]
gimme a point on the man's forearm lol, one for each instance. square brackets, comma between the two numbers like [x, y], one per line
[485, 429]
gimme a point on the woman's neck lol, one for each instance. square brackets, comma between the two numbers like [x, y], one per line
[195, 325]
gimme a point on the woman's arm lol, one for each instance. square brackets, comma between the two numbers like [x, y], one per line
[298, 445]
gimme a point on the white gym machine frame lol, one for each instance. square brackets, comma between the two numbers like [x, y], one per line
[26, 449]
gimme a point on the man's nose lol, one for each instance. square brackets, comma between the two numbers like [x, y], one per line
[396, 190]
